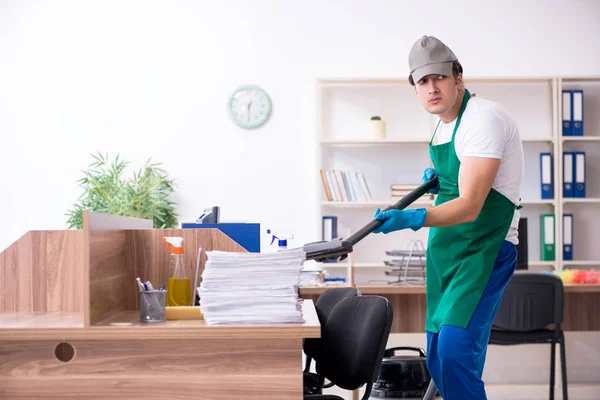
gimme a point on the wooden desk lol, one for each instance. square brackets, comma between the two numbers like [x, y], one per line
[581, 307]
[176, 359]
[63, 291]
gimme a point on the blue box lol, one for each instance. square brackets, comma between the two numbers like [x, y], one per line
[246, 235]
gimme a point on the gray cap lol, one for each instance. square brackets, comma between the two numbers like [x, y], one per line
[430, 56]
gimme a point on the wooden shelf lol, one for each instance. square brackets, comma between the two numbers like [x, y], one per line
[379, 142]
[584, 263]
[372, 142]
[539, 263]
[395, 81]
[580, 138]
[541, 139]
[353, 204]
[538, 201]
[590, 200]
[379, 203]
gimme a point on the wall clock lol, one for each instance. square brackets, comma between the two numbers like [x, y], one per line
[249, 106]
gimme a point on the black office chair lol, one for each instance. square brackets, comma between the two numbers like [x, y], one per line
[352, 344]
[324, 304]
[531, 302]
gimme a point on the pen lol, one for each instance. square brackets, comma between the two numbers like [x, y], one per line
[139, 283]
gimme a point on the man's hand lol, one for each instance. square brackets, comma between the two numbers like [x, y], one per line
[395, 220]
[475, 179]
[427, 175]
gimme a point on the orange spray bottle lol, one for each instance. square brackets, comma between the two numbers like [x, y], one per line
[179, 291]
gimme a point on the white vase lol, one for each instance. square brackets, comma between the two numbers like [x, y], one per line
[376, 129]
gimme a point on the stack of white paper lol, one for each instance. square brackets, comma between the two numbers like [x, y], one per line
[251, 288]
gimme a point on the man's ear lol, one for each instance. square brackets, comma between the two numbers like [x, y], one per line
[459, 81]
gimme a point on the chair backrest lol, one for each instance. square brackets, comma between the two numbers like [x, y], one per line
[330, 297]
[531, 301]
[353, 341]
[324, 304]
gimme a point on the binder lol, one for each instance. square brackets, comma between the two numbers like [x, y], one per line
[568, 174]
[579, 172]
[567, 113]
[577, 100]
[547, 237]
[522, 245]
[329, 230]
[567, 236]
[329, 227]
[546, 175]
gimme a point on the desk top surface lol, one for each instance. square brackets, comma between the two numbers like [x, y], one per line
[62, 326]
[420, 289]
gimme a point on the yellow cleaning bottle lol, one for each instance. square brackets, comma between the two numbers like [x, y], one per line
[179, 291]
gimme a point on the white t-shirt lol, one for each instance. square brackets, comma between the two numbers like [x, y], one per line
[487, 130]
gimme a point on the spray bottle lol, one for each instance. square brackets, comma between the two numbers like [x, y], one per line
[282, 239]
[178, 289]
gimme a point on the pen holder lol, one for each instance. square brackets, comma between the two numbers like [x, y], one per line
[152, 306]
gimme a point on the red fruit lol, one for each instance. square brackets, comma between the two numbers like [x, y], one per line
[591, 277]
[579, 276]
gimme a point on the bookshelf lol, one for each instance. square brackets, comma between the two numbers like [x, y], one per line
[345, 106]
[586, 252]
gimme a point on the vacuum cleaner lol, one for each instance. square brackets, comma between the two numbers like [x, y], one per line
[338, 249]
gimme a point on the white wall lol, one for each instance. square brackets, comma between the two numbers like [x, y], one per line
[150, 79]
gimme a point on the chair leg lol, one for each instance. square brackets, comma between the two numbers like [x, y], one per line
[563, 367]
[307, 365]
[552, 368]
[431, 391]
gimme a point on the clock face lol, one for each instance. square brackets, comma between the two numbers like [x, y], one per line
[249, 106]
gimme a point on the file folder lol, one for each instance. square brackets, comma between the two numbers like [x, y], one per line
[577, 100]
[546, 175]
[547, 237]
[329, 228]
[329, 231]
[568, 174]
[579, 172]
[567, 236]
[567, 113]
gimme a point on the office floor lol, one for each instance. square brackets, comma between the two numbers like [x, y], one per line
[530, 392]
[540, 392]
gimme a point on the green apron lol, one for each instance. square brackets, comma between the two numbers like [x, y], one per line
[460, 258]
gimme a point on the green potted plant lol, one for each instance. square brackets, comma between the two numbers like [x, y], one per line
[105, 189]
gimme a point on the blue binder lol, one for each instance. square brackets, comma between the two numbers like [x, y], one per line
[568, 175]
[579, 172]
[246, 235]
[577, 100]
[567, 236]
[567, 113]
[329, 228]
[546, 180]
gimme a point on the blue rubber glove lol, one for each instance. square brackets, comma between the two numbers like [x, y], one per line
[395, 220]
[427, 175]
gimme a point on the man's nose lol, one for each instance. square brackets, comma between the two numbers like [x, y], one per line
[433, 88]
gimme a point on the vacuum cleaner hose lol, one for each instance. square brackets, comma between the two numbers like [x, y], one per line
[404, 202]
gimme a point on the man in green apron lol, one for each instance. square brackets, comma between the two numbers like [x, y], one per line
[471, 252]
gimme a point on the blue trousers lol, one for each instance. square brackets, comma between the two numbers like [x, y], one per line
[456, 356]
